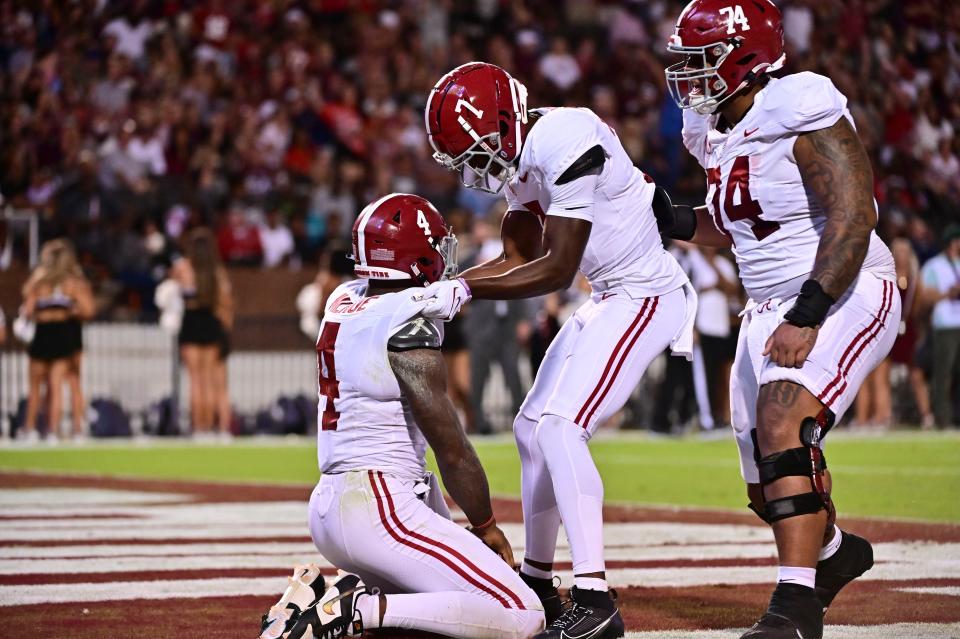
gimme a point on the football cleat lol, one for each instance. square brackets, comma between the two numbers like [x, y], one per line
[546, 591]
[853, 558]
[304, 589]
[794, 613]
[589, 615]
[335, 614]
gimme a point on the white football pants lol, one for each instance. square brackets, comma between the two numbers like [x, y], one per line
[375, 526]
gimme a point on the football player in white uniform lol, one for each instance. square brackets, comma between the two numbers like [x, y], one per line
[376, 513]
[791, 192]
[574, 199]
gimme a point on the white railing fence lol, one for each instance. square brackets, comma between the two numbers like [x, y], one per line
[136, 365]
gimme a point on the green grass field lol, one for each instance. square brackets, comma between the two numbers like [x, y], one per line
[903, 475]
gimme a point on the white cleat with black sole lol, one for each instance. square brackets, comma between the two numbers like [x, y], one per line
[305, 588]
[335, 615]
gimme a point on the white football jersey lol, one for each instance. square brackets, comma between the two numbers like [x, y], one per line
[755, 192]
[363, 423]
[624, 246]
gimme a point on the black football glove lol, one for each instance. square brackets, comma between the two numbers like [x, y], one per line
[675, 221]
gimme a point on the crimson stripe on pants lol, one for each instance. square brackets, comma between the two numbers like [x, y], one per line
[863, 345]
[853, 343]
[626, 353]
[613, 357]
[460, 570]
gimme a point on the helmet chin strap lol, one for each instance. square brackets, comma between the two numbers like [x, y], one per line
[419, 276]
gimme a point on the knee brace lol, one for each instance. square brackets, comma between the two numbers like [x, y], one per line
[804, 461]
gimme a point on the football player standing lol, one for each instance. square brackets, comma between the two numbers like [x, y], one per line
[376, 512]
[574, 199]
[790, 190]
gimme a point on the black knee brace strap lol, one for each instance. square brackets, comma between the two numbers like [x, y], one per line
[805, 461]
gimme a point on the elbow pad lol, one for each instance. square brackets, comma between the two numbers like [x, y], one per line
[677, 222]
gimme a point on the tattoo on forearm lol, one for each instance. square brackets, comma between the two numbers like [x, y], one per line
[835, 167]
[421, 376]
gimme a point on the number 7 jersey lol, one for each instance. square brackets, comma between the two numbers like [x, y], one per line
[756, 194]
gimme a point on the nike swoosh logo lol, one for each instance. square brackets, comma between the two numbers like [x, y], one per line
[328, 606]
[747, 134]
[523, 178]
[592, 632]
[606, 295]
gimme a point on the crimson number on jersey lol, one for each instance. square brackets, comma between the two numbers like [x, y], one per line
[738, 183]
[328, 382]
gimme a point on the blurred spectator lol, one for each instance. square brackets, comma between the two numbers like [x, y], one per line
[675, 403]
[715, 279]
[130, 31]
[872, 406]
[207, 319]
[276, 240]
[239, 240]
[112, 93]
[941, 277]
[559, 66]
[492, 329]
[54, 298]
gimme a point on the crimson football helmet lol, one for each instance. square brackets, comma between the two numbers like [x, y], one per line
[403, 237]
[475, 119]
[728, 44]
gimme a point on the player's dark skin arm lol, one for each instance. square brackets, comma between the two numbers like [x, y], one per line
[564, 240]
[836, 170]
[422, 376]
[522, 236]
[707, 232]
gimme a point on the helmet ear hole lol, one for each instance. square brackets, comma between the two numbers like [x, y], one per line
[504, 125]
[396, 217]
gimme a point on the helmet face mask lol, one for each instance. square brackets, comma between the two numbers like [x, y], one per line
[481, 166]
[695, 82]
[449, 249]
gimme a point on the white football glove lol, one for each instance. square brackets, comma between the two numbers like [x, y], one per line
[443, 299]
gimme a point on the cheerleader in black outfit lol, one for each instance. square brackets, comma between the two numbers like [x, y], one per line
[207, 317]
[55, 295]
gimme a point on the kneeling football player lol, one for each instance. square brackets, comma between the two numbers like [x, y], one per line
[376, 513]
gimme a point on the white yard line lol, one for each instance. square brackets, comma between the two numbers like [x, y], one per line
[892, 631]
[127, 590]
[947, 591]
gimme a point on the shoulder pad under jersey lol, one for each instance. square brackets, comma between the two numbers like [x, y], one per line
[413, 334]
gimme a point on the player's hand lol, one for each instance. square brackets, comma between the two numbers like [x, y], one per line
[496, 541]
[443, 299]
[790, 345]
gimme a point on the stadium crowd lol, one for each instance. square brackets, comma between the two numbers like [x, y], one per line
[123, 125]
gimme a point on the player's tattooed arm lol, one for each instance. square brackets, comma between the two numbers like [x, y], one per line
[564, 239]
[835, 168]
[422, 376]
[522, 235]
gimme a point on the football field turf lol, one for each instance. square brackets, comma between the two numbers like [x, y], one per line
[896, 475]
[111, 538]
